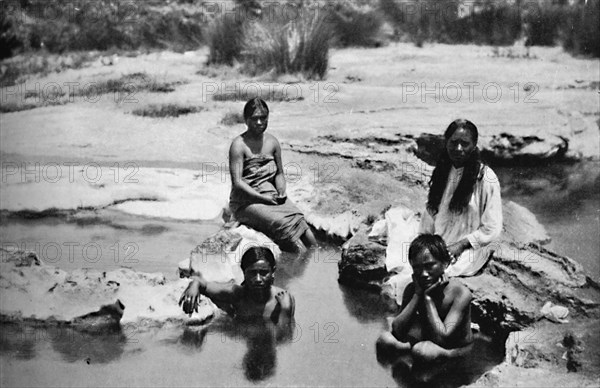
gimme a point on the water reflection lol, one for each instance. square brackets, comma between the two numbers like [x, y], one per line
[75, 345]
[556, 189]
[25, 341]
[261, 339]
[291, 266]
[363, 305]
[448, 374]
[18, 341]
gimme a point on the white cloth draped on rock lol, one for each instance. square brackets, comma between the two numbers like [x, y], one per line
[480, 222]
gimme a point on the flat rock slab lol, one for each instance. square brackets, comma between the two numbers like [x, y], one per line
[88, 299]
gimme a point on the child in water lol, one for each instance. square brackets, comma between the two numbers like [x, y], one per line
[256, 297]
[435, 319]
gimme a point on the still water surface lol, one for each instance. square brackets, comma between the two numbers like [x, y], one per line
[332, 341]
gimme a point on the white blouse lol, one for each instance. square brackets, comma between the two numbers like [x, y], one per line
[480, 223]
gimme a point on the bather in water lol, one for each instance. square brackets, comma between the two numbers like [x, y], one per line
[255, 298]
[434, 324]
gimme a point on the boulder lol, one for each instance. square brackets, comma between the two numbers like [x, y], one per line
[501, 149]
[520, 279]
[362, 254]
[218, 258]
[89, 300]
[549, 352]
[363, 262]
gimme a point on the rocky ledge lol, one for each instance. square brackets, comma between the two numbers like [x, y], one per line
[544, 306]
[103, 301]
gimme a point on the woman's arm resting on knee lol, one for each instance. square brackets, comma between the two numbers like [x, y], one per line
[279, 177]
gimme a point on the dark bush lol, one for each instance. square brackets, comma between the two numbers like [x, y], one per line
[356, 27]
[225, 39]
[582, 29]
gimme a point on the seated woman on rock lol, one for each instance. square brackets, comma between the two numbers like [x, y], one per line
[258, 197]
[256, 297]
[435, 319]
[464, 205]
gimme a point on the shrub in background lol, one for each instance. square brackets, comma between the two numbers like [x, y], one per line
[225, 39]
[289, 45]
[581, 32]
[354, 26]
[543, 23]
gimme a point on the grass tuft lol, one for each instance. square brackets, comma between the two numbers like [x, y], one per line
[166, 110]
[232, 118]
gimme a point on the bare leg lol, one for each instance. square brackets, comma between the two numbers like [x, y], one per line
[388, 344]
[427, 351]
[388, 348]
[308, 238]
[299, 247]
[431, 360]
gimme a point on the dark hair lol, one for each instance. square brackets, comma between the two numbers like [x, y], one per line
[254, 104]
[439, 177]
[254, 254]
[433, 243]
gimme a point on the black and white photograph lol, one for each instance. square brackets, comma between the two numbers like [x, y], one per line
[300, 193]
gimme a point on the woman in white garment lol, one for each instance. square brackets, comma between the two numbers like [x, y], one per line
[464, 205]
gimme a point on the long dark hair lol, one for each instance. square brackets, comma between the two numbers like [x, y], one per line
[464, 190]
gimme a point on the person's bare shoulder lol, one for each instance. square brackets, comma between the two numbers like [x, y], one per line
[237, 142]
[458, 290]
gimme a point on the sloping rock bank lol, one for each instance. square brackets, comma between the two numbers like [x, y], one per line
[368, 255]
[88, 300]
[504, 149]
[543, 305]
[101, 302]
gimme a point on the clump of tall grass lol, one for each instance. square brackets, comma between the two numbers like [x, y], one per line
[225, 39]
[166, 110]
[273, 40]
[296, 46]
[232, 118]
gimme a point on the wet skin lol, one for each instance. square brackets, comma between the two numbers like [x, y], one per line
[435, 321]
[256, 298]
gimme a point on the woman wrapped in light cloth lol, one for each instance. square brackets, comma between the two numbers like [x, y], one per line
[258, 193]
[463, 207]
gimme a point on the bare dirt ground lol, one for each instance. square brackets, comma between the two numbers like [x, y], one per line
[390, 90]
